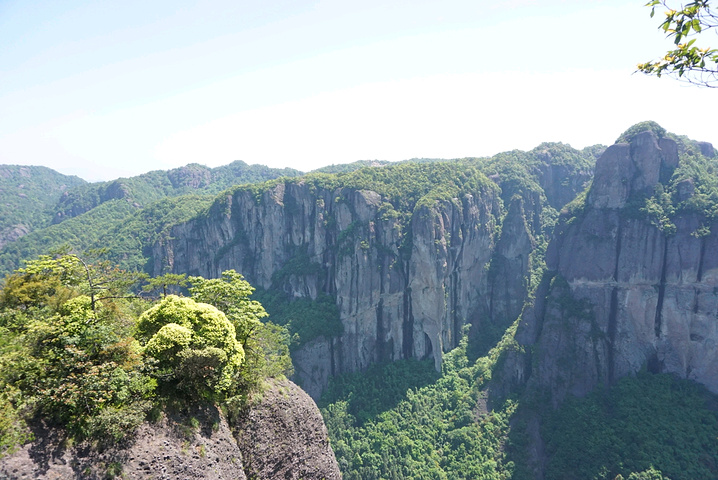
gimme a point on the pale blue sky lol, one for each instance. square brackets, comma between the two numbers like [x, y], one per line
[105, 89]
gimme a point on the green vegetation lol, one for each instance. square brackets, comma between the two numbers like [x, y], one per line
[379, 389]
[67, 354]
[305, 319]
[230, 294]
[194, 344]
[28, 196]
[692, 187]
[624, 429]
[126, 215]
[150, 187]
[350, 167]
[396, 421]
[687, 61]
[388, 426]
[130, 241]
[641, 127]
[403, 185]
[80, 350]
[83, 231]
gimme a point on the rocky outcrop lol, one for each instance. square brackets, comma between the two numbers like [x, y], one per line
[12, 233]
[283, 436]
[75, 202]
[403, 288]
[622, 294]
[561, 182]
[510, 267]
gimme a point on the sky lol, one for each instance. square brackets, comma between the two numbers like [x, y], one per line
[103, 89]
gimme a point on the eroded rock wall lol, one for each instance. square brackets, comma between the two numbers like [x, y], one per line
[403, 288]
[622, 294]
[280, 436]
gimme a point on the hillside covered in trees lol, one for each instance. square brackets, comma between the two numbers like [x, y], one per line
[56, 210]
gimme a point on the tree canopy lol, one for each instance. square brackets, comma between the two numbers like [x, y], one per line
[80, 348]
[194, 344]
[690, 61]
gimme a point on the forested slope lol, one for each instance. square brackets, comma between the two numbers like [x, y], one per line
[28, 196]
[82, 216]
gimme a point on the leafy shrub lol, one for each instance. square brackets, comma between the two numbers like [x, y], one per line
[195, 345]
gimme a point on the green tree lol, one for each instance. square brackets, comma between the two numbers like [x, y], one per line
[230, 294]
[67, 357]
[166, 283]
[697, 64]
[266, 345]
[195, 347]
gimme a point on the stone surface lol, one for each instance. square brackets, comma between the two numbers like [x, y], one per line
[282, 436]
[624, 295]
[169, 449]
[396, 299]
[632, 168]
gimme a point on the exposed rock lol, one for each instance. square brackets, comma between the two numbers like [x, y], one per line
[193, 176]
[115, 190]
[170, 449]
[314, 364]
[283, 436]
[12, 233]
[560, 183]
[402, 290]
[685, 189]
[707, 149]
[510, 267]
[624, 295]
[632, 168]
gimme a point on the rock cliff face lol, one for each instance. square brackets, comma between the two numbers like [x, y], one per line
[623, 294]
[403, 288]
[406, 276]
[282, 436]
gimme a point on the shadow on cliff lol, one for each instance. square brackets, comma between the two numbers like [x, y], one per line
[380, 388]
[483, 339]
[624, 430]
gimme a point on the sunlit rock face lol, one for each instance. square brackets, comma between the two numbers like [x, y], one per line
[404, 288]
[622, 294]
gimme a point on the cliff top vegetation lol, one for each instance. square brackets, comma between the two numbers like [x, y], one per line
[81, 350]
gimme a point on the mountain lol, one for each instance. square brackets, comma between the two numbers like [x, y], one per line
[609, 273]
[27, 197]
[81, 217]
[542, 314]
[408, 253]
[632, 273]
[152, 186]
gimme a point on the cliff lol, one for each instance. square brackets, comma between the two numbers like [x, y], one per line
[281, 436]
[401, 287]
[409, 253]
[632, 278]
